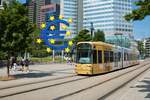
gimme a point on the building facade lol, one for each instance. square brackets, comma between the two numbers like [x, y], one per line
[1, 3]
[39, 10]
[69, 10]
[49, 10]
[107, 15]
[146, 43]
[32, 11]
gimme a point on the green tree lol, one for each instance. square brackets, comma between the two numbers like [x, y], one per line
[15, 30]
[99, 36]
[141, 12]
[141, 48]
[83, 36]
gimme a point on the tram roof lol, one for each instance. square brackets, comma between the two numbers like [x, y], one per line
[97, 43]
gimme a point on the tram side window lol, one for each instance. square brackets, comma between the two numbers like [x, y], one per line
[124, 56]
[129, 57]
[115, 57]
[99, 56]
[111, 56]
[119, 56]
[106, 56]
[94, 57]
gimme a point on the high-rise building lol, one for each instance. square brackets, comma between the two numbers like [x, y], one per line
[146, 42]
[40, 10]
[49, 10]
[32, 11]
[107, 15]
[1, 3]
[69, 8]
[39, 4]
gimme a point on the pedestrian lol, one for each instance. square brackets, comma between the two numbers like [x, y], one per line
[14, 63]
[26, 65]
[22, 63]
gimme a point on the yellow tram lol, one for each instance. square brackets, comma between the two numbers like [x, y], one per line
[99, 57]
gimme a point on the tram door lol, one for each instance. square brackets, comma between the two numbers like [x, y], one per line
[115, 60]
[106, 61]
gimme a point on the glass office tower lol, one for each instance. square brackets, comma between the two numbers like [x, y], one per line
[68, 8]
[107, 15]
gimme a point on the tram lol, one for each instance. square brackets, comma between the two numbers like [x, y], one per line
[99, 57]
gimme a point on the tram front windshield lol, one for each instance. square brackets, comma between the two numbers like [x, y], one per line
[84, 54]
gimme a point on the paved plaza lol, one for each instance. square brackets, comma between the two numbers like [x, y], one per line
[138, 89]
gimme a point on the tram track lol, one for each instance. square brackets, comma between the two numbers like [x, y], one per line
[104, 97]
[101, 83]
[59, 83]
[40, 87]
[41, 81]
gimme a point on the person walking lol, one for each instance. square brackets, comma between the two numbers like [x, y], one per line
[26, 65]
[22, 63]
[14, 63]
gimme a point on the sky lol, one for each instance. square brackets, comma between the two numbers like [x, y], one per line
[22, 1]
[141, 29]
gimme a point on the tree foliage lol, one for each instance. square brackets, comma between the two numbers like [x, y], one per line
[141, 12]
[141, 47]
[83, 36]
[15, 29]
[99, 36]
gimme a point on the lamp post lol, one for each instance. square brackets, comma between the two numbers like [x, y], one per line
[92, 29]
[121, 44]
[119, 40]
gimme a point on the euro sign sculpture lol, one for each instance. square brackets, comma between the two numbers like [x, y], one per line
[55, 30]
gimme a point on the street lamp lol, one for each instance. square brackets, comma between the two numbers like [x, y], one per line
[92, 29]
[121, 44]
[118, 40]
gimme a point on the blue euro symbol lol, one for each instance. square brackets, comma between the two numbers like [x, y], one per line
[57, 34]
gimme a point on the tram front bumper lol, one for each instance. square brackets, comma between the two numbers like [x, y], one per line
[85, 70]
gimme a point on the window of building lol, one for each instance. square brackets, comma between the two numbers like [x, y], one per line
[0, 2]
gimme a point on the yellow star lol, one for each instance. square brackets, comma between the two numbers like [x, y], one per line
[52, 18]
[61, 17]
[39, 41]
[68, 33]
[70, 20]
[52, 41]
[64, 27]
[70, 43]
[52, 27]
[43, 25]
[67, 50]
[49, 50]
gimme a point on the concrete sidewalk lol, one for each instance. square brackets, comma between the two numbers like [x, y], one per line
[140, 90]
[37, 73]
[37, 68]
